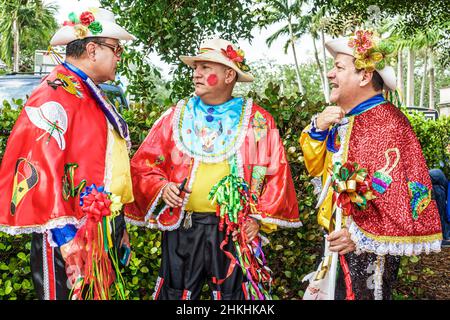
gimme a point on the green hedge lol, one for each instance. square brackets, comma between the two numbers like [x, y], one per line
[292, 253]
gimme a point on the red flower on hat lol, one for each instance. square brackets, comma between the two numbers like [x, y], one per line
[362, 42]
[233, 55]
[86, 18]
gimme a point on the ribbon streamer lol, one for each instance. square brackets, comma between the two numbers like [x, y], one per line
[233, 199]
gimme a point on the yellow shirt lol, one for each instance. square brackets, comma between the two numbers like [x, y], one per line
[207, 175]
[121, 177]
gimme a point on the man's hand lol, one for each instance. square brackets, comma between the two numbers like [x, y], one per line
[329, 116]
[74, 261]
[341, 242]
[251, 229]
[125, 242]
[171, 195]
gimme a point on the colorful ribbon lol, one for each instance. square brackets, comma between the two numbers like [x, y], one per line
[95, 244]
[232, 196]
[352, 187]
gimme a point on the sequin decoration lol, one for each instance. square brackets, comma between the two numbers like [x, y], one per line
[420, 198]
[259, 125]
[381, 178]
[258, 175]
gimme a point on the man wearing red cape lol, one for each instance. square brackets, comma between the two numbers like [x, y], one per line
[65, 172]
[228, 151]
[372, 168]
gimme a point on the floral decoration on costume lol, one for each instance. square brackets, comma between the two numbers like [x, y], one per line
[352, 187]
[93, 245]
[259, 125]
[370, 51]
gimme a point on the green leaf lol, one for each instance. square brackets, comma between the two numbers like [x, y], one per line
[22, 256]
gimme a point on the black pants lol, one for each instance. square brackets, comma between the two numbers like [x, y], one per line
[364, 269]
[191, 257]
[48, 266]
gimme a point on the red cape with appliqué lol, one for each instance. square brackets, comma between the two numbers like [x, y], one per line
[50, 133]
[162, 158]
[403, 219]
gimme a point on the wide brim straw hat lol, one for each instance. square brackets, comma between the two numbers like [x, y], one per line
[223, 52]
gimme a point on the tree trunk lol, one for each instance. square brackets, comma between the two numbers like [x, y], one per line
[432, 84]
[319, 66]
[16, 48]
[400, 80]
[325, 69]
[410, 79]
[424, 79]
[297, 69]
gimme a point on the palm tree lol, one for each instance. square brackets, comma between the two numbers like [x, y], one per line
[24, 19]
[286, 11]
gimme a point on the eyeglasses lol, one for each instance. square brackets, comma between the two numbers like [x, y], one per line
[117, 50]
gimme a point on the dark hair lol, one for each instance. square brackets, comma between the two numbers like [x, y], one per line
[76, 48]
[377, 81]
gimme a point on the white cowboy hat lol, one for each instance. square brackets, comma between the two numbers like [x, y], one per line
[72, 31]
[215, 50]
[340, 45]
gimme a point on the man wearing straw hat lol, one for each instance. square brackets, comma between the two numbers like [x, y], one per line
[372, 170]
[229, 154]
[65, 172]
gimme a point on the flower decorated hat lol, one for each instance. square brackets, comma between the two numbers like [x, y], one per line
[224, 52]
[95, 22]
[371, 53]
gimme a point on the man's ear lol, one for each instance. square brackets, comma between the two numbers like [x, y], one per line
[366, 78]
[90, 51]
[230, 76]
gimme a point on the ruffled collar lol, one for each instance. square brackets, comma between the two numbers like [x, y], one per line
[211, 133]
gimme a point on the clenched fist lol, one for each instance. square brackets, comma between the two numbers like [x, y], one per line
[172, 195]
[329, 116]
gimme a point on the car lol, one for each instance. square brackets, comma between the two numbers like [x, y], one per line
[19, 86]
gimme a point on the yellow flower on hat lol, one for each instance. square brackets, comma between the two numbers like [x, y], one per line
[370, 51]
[81, 31]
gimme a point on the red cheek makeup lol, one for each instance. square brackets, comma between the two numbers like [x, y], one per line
[212, 79]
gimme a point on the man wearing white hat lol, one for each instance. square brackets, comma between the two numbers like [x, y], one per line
[229, 154]
[372, 170]
[65, 173]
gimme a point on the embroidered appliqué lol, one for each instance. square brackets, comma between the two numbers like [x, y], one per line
[67, 83]
[420, 198]
[258, 175]
[158, 161]
[25, 179]
[69, 189]
[259, 124]
[208, 136]
[52, 118]
[381, 178]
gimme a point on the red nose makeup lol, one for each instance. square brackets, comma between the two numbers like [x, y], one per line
[212, 79]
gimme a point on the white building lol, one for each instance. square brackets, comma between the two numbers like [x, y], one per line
[444, 101]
